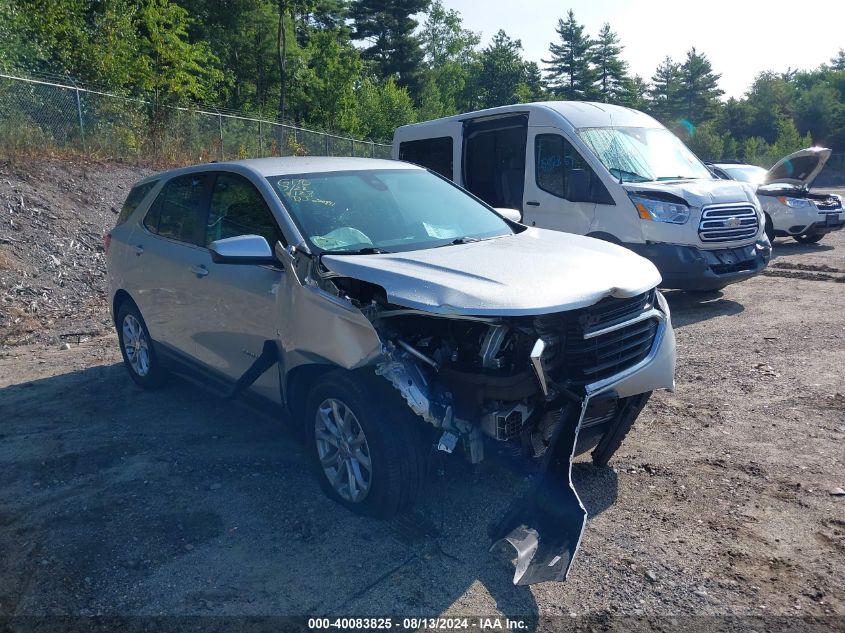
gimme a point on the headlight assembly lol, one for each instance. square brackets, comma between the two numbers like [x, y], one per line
[660, 211]
[795, 203]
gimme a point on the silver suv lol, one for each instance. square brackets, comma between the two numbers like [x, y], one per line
[390, 312]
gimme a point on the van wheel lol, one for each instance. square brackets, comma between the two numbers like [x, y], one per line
[770, 229]
[367, 445]
[811, 238]
[136, 347]
[612, 439]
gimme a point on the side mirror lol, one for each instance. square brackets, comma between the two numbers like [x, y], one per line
[514, 215]
[243, 249]
[578, 186]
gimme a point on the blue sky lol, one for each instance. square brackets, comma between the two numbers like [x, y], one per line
[740, 37]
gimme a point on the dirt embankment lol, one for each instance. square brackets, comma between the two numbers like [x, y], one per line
[53, 215]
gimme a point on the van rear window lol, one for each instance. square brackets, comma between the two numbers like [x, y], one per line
[432, 153]
[134, 198]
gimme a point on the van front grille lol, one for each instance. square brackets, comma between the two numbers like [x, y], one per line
[728, 223]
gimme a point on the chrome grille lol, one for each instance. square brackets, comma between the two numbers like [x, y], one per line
[728, 223]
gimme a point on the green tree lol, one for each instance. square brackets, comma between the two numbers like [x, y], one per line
[770, 98]
[634, 93]
[756, 151]
[699, 90]
[334, 67]
[706, 142]
[171, 68]
[389, 27]
[383, 107]
[451, 56]
[789, 140]
[611, 70]
[838, 62]
[569, 72]
[665, 91]
[503, 77]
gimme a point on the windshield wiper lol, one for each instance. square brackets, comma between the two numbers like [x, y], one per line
[465, 239]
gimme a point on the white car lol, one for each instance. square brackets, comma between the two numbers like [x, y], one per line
[791, 209]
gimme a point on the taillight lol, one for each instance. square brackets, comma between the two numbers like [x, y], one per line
[106, 242]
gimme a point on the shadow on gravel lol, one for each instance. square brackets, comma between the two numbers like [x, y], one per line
[692, 307]
[784, 247]
[120, 501]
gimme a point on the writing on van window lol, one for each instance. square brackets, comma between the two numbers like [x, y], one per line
[548, 163]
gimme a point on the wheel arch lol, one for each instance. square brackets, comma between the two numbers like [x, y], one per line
[118, 300]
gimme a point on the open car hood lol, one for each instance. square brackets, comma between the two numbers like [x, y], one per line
[532, 272]
[799, 168]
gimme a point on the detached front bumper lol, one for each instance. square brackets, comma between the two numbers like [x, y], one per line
[546, 522]
[690, 268]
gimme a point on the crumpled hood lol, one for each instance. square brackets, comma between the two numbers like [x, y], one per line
[532, 272]
[698, 192]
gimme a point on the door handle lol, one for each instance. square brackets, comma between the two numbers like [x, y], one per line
[199, 271]
[532, 203]
[139, 249]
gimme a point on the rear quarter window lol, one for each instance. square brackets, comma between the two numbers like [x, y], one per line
[433, 153]
[135, 197]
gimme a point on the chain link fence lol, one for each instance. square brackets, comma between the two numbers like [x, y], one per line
[47, 115]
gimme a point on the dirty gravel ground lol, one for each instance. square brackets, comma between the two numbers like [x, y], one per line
[117, 501]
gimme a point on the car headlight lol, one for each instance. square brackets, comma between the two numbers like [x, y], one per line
[660, 211]
[795, 203]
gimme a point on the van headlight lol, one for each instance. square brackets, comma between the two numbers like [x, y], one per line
[660, 210]
[795, 203]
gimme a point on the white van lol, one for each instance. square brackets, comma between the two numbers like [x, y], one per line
[605, 171]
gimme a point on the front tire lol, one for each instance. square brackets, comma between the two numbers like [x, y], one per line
[369, 448]
[136, 347]
[809, 239]
[770, 229]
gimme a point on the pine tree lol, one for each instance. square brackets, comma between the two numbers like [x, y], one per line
[503, 77]
[699, 90]
[570, 74]
[664, 95]
[394, 48]
[838, 62]
[611, 70]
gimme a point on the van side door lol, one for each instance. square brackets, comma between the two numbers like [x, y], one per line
[553, 169]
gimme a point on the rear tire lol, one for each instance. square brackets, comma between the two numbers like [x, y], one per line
[375, 428]
[136, 347]
[809, 239]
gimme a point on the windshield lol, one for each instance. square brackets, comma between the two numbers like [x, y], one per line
[747, 173]
[384, 210]
[635, 154]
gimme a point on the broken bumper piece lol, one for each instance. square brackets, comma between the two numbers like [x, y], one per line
[546, 522]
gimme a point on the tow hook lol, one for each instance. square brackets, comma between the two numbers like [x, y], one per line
[545, 523]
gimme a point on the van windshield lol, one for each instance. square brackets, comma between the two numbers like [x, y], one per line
[384, 210]
[636, 154]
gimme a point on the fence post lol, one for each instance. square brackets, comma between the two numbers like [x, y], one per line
[79, 114]
[326, 136]
[220, 127]
[260, 142]
[353, 147]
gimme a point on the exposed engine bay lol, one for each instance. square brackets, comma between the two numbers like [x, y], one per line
[506, 378]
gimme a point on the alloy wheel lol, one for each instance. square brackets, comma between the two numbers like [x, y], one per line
[343, 450]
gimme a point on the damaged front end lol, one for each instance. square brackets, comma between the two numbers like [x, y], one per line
[554, 385]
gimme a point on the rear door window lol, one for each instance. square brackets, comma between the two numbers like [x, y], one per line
[138, 193]
[237, 208]
[179, 211]
[432, 153]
